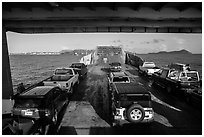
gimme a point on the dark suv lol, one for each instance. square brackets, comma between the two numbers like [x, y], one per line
[41, 102]
[131, 102]
[115, 66]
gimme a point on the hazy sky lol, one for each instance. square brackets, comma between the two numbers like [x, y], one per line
[136, 42]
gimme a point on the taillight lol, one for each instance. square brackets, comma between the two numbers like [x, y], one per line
[47, 113]
[117, 112]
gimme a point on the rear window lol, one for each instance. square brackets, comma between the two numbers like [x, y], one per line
[60, 78]
[63, 71]
[148, 65]
[121, 79]
[192, 76]
[115, 64]
[76, 66]
[135, 97]
[28, 103]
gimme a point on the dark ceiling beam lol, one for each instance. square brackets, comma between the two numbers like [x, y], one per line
[47, 6]
[6, 7]
[92, 6]
[198, 5]
[185, 5]
[100, 23]
[69, 6]
[136, 6]
[54, 4]
[27, 7]
[114, 6]
[160, 5]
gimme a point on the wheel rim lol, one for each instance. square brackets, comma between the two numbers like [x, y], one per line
[136, 114]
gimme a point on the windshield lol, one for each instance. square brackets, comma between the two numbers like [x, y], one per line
[63, 71]
[135, 97]
[192, 76]
[121, 79]
[76, 66]
[28, 103]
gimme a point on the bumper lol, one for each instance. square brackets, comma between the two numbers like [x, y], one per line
[29, 113]
[120, 116]
[32, 113]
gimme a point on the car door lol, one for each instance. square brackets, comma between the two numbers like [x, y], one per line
[57, 99]
[75, 77]
[162, 80]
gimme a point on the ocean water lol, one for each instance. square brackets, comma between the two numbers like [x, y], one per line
[33, 68]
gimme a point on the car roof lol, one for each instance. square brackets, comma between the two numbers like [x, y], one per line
[38, 91]
[115, 63]
[119, 74]
[130, 88]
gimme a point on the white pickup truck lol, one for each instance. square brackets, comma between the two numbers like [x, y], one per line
[65, 78]
[148, 68]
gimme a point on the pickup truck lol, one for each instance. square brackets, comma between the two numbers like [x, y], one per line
[148, 68]
[131, 102]
[115, 66]
[81, 68]
[176, 80]
[65, 78]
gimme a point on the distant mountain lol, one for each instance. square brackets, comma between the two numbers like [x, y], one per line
[76, 52]
[183, 51]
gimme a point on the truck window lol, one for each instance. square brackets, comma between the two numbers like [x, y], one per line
[79, 66]
[61, 78]
[120, 79]
[63, 71]
[164, 73]
[192, 76]
[75, 71]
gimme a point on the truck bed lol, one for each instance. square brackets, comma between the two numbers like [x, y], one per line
[130, 88]
[60, 78]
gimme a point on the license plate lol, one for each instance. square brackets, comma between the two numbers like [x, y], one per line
[28, 113]
[117, 117]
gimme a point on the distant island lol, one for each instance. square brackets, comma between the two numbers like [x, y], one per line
[63, 52]
[183, 51]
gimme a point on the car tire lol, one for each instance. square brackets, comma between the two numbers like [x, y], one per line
[135, 113]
